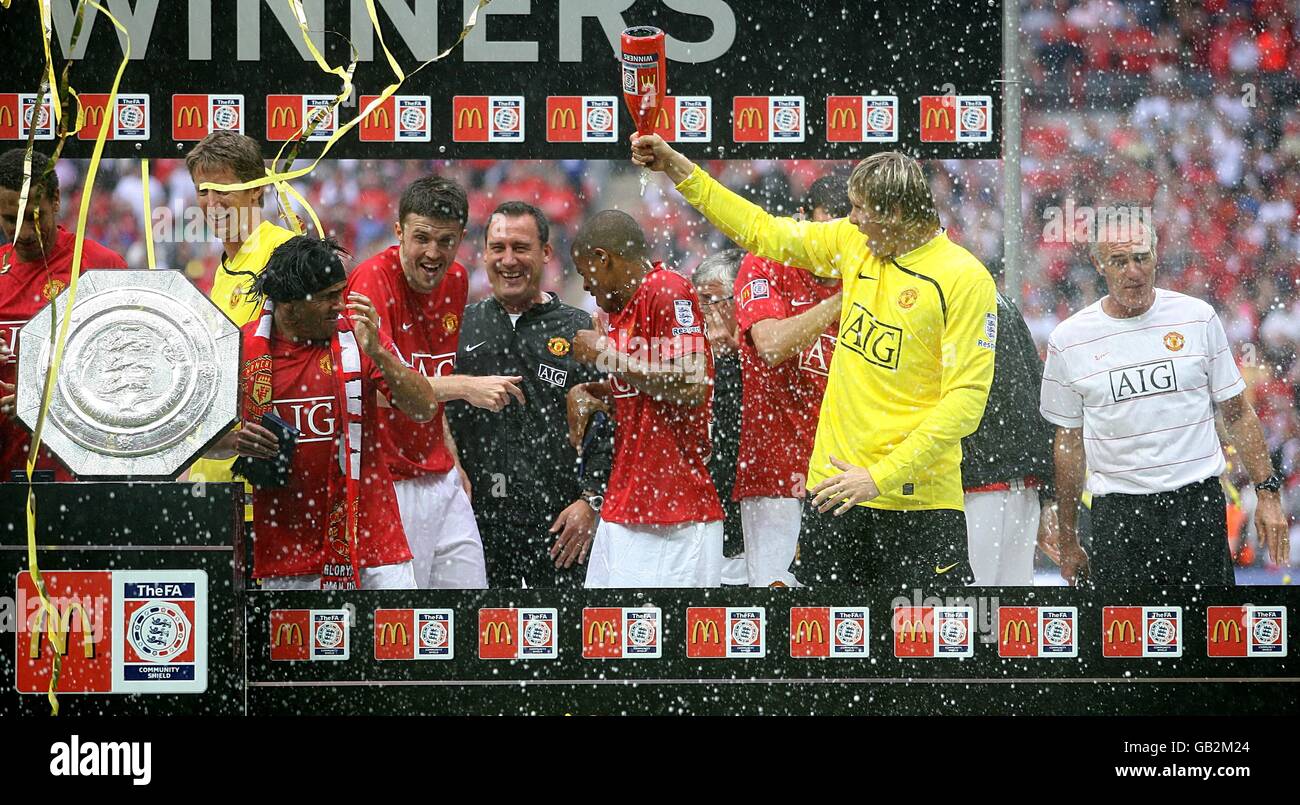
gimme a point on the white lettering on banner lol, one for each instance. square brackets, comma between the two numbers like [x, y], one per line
[414, 21]
[1145, 380]
[312, 416]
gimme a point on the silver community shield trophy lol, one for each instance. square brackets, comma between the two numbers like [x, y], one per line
[149, 378]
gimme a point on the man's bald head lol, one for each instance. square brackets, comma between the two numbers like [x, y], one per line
[614, 231]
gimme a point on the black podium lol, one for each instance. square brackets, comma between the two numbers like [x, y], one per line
[145, 580]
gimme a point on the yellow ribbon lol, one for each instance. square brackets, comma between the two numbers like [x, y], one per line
[51, 621]
[148, 214]
[281, 178]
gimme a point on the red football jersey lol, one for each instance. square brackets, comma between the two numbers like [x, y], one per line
[25, 288]
[290, 522]
[780, 404]
[660, 449]
[426, 330]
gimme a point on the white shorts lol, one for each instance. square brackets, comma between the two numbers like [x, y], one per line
[440, 528]
[400, 576]
[771, 528]
[1001, 533]
[684, 555]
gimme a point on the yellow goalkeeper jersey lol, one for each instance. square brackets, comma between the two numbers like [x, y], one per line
[914, 360]
[232, 292]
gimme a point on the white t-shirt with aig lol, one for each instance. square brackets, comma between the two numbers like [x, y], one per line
[1143, 390]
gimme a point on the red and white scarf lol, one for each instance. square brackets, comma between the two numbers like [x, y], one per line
[341, 569]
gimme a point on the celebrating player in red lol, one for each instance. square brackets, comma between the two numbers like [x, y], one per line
[419, 291]
[661, 525]
[335, 523]
[788, 319]
[35, 265]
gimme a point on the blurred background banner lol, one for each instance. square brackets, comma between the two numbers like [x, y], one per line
[750, 79]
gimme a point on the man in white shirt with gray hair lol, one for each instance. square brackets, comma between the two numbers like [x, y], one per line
[1132, 382]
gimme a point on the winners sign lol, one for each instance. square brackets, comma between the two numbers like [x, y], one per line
[531, 81]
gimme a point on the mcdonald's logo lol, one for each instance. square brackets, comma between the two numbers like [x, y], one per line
[809, 631]
[1223, 627]
[6, 117]
[563, 118]
[662, 120]
[708, 630]
[284, 117]
[378, 118]
[602, 632]
[750, 118]
[914, 630]
[95, 116]
[287, 634]
[937, 117]
[844, 117]
[648, 81]
[1016, 631]
[1121, 631]
[190, 117]
[495, 631]
[469, 118]
[63, 630]
[388, 633]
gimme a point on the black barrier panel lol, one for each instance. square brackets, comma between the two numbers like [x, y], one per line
[211, 50]
[125, 528]
[777, 683]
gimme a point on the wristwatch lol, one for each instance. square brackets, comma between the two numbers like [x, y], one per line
[594, 500]
[1272, 484]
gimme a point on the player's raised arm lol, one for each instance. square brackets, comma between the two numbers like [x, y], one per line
[815, 247]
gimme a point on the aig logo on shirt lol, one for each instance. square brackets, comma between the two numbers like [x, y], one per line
[817, 357]
[875, 341]
[433, 365]
[312, 416]
[1144, 380]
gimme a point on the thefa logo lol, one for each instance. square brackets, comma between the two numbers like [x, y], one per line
[685, 119]
[1245, 631]
[933, 632]
[196, 116]
[289, 116]
[1037, 632]
[829, 631]
[397, 119]
[487, 118]
[580, 118]
[128, 120]
[1137, 631]
[413, 634]
[956, 118]
[862, 118]
[522, 633]
[611, 633]
[1174, 341]
[19, 116]
[768, 119]
[732, 632]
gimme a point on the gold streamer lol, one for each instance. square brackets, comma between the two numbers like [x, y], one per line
[148, 214]
[56, 638]
[279, 178]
